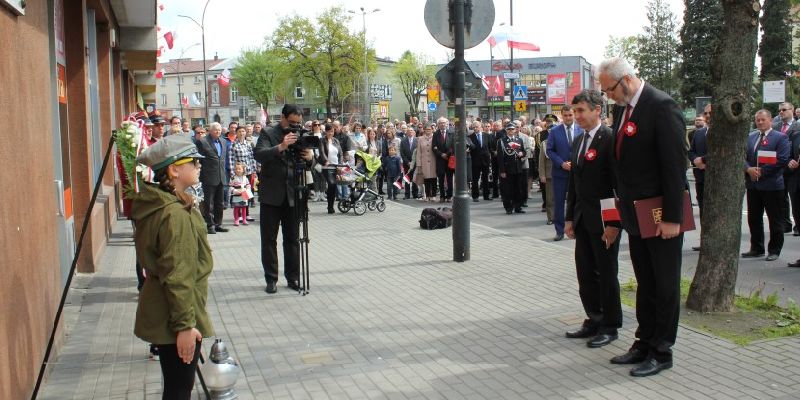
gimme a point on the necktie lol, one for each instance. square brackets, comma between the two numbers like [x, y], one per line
[620, 133]
[480, 140]
[584, 145]
[758, 144]
[785, 127]
[569, 135]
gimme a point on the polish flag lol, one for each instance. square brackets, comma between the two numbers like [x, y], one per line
[398, 185]
[767, 157]
[406, 179]
[185, 101]
[608, 210]
[513, 39]
[169, 37]
[160, 73]
[159, 51]
[513, 145]
[225, 77]
[161, 6]
[263, 118]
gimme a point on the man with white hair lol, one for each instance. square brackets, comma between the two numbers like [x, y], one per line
[443, 143]
[650, 154]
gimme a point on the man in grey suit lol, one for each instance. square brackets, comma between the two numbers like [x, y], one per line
[213, 176]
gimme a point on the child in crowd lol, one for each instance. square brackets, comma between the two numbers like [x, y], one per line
[240, 194]
[393, 171]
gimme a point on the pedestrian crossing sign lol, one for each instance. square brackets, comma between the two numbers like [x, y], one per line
[520, 105]
[520, 93]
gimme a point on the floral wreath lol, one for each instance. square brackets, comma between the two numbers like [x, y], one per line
[131, 142]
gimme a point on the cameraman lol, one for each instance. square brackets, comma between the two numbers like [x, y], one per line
[276, 190]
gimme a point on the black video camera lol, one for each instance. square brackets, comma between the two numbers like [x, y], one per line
[305, 139]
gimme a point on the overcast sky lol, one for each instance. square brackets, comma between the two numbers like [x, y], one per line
[565, 27]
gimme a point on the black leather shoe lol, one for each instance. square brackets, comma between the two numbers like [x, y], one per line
[519, 211]
[294, 285]
[271, 287]
[331, 211]
[795, 264]
[509, 212]
[219, 228]
[487, 198]
[601, 340]
[772, 257]
[582, 333]
[633, 356]
[525, 205]
[211, 231]
[558, 238]
[649, 367]
[549, 222]
[752, 254]
[796, 233]
[695, 248]
[475, 200]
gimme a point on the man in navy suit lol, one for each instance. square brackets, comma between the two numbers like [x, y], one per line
[786, 125]
[443, 147]
[765, 187]
[408, 144]
[650, 153]
[559, 150]
[698, 149]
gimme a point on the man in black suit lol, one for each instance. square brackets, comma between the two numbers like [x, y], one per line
[650, 149]
[443, 147]
[213, 176]
[276, 188]
[494, 135]
[481, 162]
[408, 144]
[591, 179]
[698, 149]
[793, 182]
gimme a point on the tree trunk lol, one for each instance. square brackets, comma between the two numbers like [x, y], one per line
[714, 283]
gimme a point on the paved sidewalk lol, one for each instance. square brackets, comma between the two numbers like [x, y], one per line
[391, 317]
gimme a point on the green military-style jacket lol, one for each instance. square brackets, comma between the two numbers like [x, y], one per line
[172, 247]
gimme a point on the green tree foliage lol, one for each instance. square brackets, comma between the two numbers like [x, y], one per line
[257, 74]
[657, 57]
[624, 47]
[776, 40]
[322, 53]
[702, 22]
[413, 73]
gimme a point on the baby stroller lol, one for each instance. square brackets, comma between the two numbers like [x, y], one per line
[361, 179]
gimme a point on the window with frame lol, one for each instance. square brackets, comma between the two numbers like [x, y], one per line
[215, 93]
[199, 96]
[234, 94]
[198, 79]
[163, 99]
[163, 81]
[298, 92]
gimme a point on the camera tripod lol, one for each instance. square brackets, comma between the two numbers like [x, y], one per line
[301, 193]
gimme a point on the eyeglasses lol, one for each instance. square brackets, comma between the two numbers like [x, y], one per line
[785, 109]
[613, 88]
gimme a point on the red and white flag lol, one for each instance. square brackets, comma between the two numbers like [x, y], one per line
[767, 157]
[185, 101]
[161, 6]
[263, 116]
[513, 145]
[398, 185]
[160, 73]
[159, 51]
[225, 77]
[406, 179]
[513, 39]
[608, 210]
[169, 37]
[485, 82]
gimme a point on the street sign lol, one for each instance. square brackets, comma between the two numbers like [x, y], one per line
[441, 22]
[431, 107]
[520, 93]
[511, 75]
[433, 94]
[445, 78]
[520, 105]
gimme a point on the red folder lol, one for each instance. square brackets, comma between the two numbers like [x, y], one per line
[649, 211]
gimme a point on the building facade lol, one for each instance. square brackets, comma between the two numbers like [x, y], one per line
[71, 72]
[550, 83]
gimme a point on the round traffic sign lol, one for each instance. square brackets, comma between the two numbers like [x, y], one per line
[431, 107]
[480, 17]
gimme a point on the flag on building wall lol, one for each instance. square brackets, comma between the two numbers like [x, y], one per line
[513, 39]
[225, 77]
[196, 100]
[160, 73]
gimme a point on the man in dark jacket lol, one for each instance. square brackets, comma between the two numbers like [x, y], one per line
[408, 145]
[279, 208]
[443, 147]
[481, 161]
[510, 157]
[213, 176]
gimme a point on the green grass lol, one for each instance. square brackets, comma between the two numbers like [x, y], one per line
[754, 317]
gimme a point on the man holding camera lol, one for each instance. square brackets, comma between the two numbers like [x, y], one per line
[278, 181]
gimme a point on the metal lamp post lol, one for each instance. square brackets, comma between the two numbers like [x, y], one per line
[363, 13]
[201, 24]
